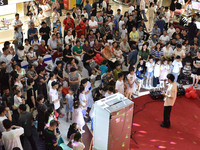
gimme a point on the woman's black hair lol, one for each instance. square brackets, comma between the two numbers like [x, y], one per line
[77, 136]
[29, 81]
[84, 81]
[171, 77]
[48, 112]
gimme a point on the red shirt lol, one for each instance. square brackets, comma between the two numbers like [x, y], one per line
[56, 55]
[67, 26]
[65, 21]
[80, 26]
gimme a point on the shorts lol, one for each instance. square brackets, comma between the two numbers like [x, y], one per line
[195, 75]
[150, 74]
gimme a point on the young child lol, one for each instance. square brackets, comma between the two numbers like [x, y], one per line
[118, 54]
[123, 32]
[69, 104]
[26, 46]
[109, 92]
[149, 73]
[131, 78]
[139, 75]
[104, 67]
[117, 70]
[120, 86]
[83, 100]
[60, 96]
[164, 72]
[77, 116]
[177, 64]
[156, 74]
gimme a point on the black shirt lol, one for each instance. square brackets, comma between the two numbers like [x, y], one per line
[50, 139]
[46, 30]
[86, 57]
[25, 121]
[69, 53]
[30, 93]
[130, 25]
[94, 11]
[110, 12]
[8, 100]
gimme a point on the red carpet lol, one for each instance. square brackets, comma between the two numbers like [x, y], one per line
[184, 133]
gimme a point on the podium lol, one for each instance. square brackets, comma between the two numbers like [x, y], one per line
[112, 123]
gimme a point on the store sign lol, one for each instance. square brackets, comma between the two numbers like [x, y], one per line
[3, 2]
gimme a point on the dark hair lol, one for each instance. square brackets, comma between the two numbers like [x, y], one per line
[40, 97]
[72, 69]
[41, 70]
[120, 75]
[131, 69]
[171, 77]
[76, 103]
[2, 109]
[53, 123]
[84, 81]
[109, 69]
[7, 124]
[51, 75]
[30, 66]
[77, 136]
[178, 57]
[111, 89]
[29, 81]
[17, 92]
[16, 14]
[104, 62]
[22, 107]
[178, 45]
[6, 43]
[5, 48]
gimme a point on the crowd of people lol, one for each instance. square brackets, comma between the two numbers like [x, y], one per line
[134, 56]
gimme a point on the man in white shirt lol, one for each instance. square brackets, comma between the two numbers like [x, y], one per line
[3, 112]
[99, 20]
[119, 86]
[52, 43]
[93, 24]
[10, 137]
[166, 17]
[130, 9]
[4, 58]
[177, 64]
[47, 13]
[41, 16]
[53, 94]
[18, 23]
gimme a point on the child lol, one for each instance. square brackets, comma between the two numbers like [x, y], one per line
[149, 73]
[177, 64]
[83, 100]
[77, 116]
[120, 86]
[60, 96]
[164, 72]
[26, 46]
[118, 54]
[69, 104]
[17, 99]
[131, 78]
[104, 67]
[93, 77]
[156, 73]
[32, 58]
[123, 32]
[109, 92]
[117, 70]
[139, 75]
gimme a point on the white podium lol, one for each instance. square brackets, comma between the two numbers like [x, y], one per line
[112, 123]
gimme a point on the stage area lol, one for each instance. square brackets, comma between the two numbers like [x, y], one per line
[184, 133]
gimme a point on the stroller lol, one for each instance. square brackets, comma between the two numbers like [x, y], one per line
[185, 76]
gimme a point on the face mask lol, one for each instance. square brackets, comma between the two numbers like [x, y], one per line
[58, 24]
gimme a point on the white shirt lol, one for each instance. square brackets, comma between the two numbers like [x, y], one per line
[119, 86]
[17, 101]
[16, 22]
[2, 129]
[4, 58]
[104, 4]
[169, 52]
[150, 66]
[67, 38]
[92, 24]
[120, 24]
[54, 96]
[52, 43]
[156, 70]
[131, 78]
[130, 9]
[40, 17]
[11, 138]
[107, 94]
[164, 39]
[44, 7]
[85, 15]
[49, 84]
[82, 98]
[177, 66]
[167, 16]
[78, 146]
[170, 32]
[142, 5]
[20, 54]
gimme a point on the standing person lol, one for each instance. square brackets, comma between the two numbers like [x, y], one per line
[196, 73]
[25, 121]
[74, 79]
[83, 100]
[119, 85]
[41, 108]
[18, 23]
[3, 112]
[172, 7]
[79, 3]
[42, 80]
[53, 94]
[177, 64]
[31, 94]
[11, 137]
[151, 15]
[47, 13]
[69, 104]
[142, 8]
[170, 98]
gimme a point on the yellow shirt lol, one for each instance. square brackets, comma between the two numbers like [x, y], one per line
[134, 35]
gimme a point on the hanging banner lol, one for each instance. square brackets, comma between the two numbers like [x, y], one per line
[69, 4]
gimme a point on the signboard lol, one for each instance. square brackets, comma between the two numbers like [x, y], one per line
[8, 9]
[3, 2]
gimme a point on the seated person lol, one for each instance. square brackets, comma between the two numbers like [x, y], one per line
[52, 43]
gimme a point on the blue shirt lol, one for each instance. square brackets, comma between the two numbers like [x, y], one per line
[60, 31]
[88, 8]
[157, 53]
[78, 2]
[133, 57]
[161, 25]
[103, 69]
[31, 31]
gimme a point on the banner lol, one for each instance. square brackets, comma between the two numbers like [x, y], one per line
[3, 2]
